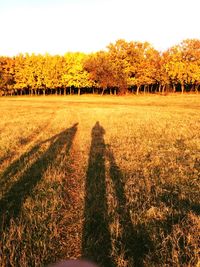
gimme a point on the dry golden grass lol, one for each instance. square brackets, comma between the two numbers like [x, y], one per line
[112, 179]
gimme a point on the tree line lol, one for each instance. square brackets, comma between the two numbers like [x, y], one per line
[122, 67]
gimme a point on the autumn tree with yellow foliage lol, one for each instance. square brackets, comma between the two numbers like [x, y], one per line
[123, 67]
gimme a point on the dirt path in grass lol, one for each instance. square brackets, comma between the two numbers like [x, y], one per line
[73, 187]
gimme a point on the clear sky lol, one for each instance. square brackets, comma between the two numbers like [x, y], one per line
[59, 26]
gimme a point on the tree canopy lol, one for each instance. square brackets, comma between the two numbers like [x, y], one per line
[121, 68]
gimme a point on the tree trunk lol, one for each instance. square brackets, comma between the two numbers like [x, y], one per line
[182, 88]
[174, 88]
[44, 92]
[159, 88]
[196, 89]
[138, 89]
[123, 90]
[79, 91]
[163, 88]
[102, 91]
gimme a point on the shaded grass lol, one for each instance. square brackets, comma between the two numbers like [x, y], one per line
[15, 212]
[134, 240]
[96, 235]
[12, 201]
[123, 191]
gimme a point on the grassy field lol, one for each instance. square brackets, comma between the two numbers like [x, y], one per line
[112, 179]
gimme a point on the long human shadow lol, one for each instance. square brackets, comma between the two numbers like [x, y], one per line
[135, 240]
[18, 164]
[96, 242]
[12, 201]
[23, 142]
[183, 205]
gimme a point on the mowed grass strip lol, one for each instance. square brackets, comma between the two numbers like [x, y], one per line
[112, 179]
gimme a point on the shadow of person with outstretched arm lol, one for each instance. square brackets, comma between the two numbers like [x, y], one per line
[134, 239]
[12, 201]
[96, 244]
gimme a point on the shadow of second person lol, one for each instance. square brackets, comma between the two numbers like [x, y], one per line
[96, 244]
[12, 202]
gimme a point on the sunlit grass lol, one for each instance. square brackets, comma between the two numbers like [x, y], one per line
[128, 166]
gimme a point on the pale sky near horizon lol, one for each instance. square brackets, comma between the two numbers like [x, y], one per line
[59, 26]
